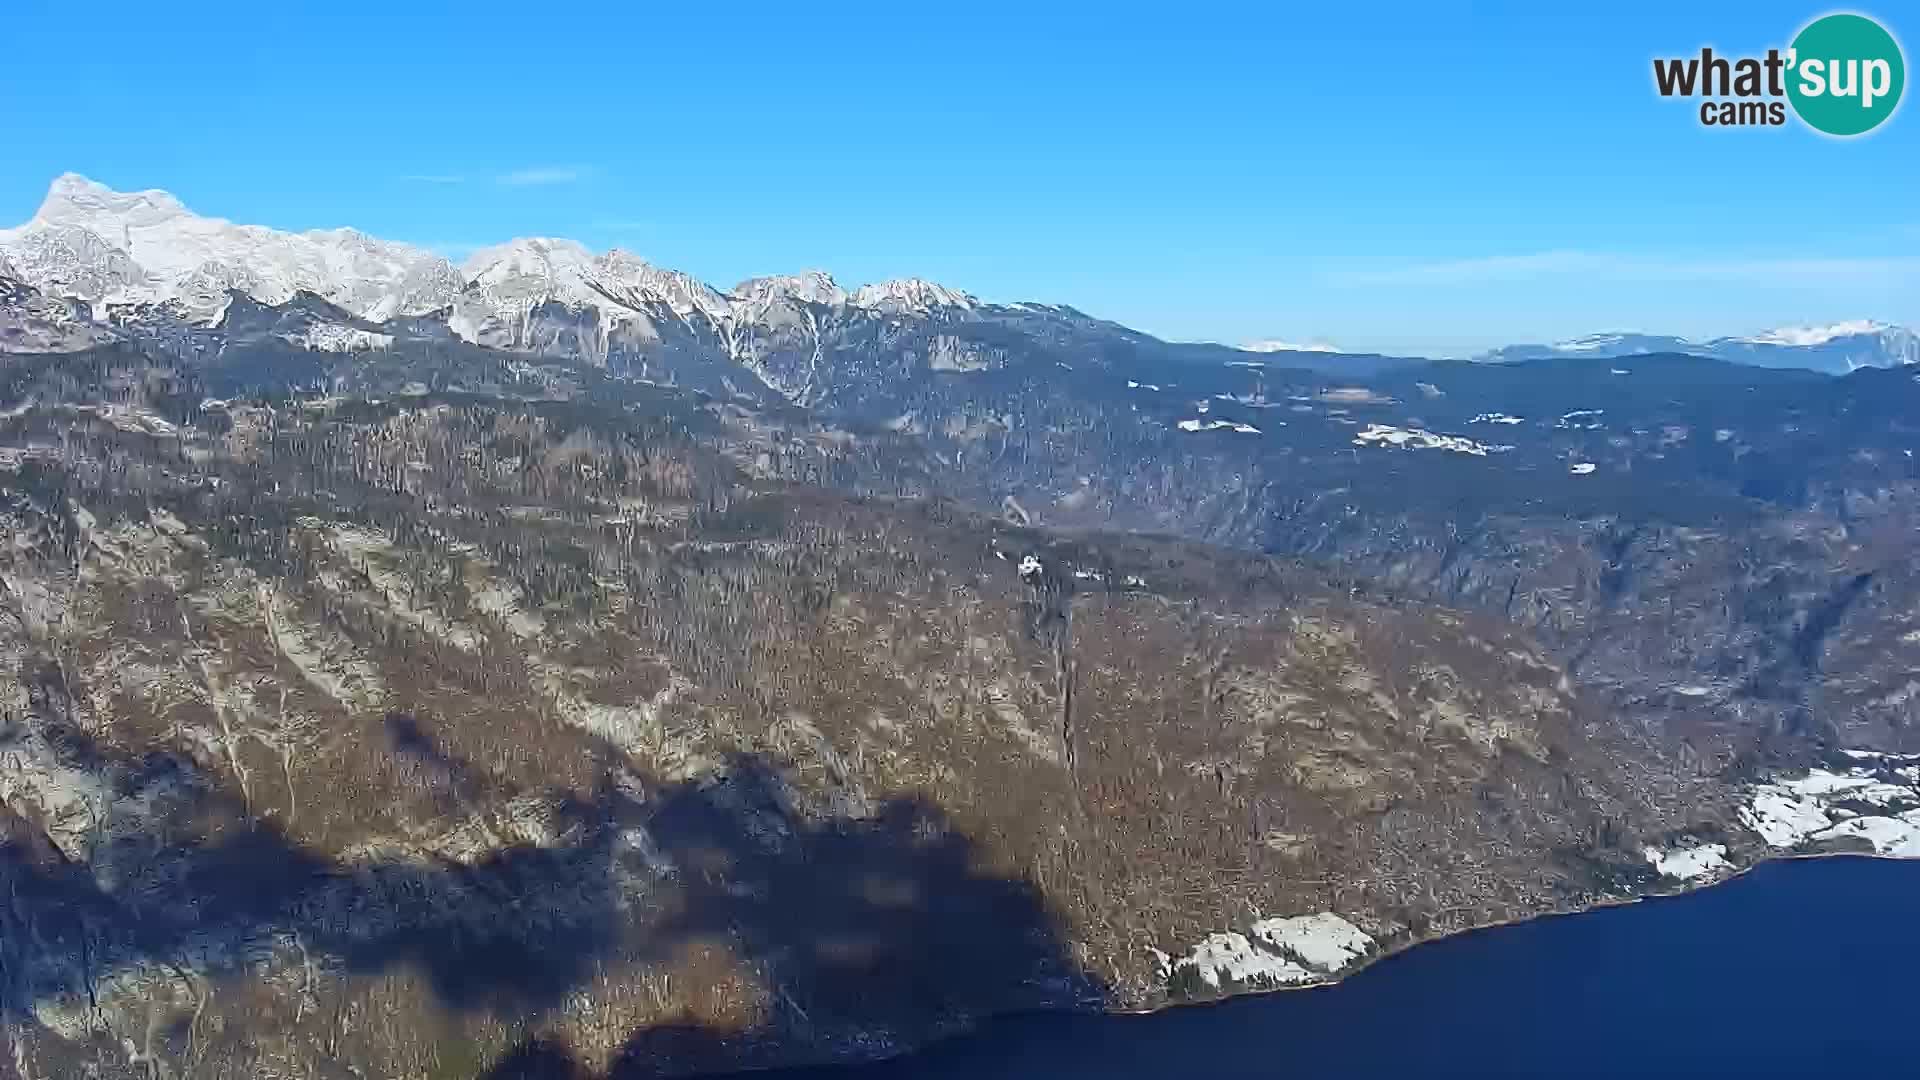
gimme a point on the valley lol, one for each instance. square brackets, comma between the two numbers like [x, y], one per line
[404, 664]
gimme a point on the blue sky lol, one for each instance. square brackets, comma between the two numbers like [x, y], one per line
[1425, 177]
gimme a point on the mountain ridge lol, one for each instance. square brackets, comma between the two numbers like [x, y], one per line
[1835, 348]
[998, 626]
[146, 250]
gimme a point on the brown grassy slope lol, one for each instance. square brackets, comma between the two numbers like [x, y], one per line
[322, 766]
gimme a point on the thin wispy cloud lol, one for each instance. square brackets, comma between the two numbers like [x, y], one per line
[434, 178]
[543, 175]
[1618, 266]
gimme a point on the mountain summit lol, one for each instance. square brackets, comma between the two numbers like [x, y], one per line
[89, 242]
[111, 248]
[132, 255]
[1836, 348]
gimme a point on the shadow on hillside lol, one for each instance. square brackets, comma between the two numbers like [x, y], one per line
[858, 931]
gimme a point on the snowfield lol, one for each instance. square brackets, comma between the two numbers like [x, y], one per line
[1325, 942]
[1218, 425]
[1689, 864]
[1790, 812]
[118, 250]
[1229, 957]
[1420, 439]
[1282, 951]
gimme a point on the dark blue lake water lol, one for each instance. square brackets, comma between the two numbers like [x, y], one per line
[1806, 969]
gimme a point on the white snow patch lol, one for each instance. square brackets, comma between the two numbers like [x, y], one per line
[1231, 957]
[333, 337]
[1895, 836]
[1782, 820]
[1822, 782]
[1788, 812]
[1589, 343]
[1582, 468]
[1281, 952]
[1277, 345]
[1419, 439]
[1218, 425]
[1497, 418]
[1804, 336]
[1325, 942]
[1688, 864]
[910, 294]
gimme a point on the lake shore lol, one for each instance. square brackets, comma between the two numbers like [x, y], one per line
[1404, 946]
[1512, 1003]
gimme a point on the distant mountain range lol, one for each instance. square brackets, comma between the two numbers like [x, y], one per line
[94, 263]
[789, 673]
[141, 258]
[1838, 348]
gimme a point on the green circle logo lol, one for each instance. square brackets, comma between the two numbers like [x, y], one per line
[1845, 74]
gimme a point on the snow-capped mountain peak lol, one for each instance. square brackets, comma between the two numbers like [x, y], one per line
[910, 295]
[1836, 347]
[535, 259]
[1593, 342]
[1279, 345]
[75, 200]
[633, 279]
[533, 270]
[114, 248]
[808, 286]
[1804, 336]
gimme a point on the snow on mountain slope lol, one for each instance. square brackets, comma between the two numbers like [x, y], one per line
[910, 295]
[1278, 345]
[532, 270]
[548, 295]
[1839, 347]
[90, 242]
[632, 280]
[31, 321]
[539, 269]
[130, 255]
[1836, 348]
[71, 261]
[1816, 335]
[1592, 343]
[120, 250]
[808, 286]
